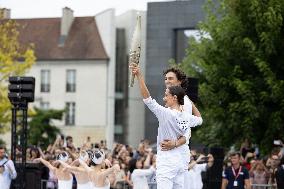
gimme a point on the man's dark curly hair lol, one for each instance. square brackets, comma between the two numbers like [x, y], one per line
[179, 74]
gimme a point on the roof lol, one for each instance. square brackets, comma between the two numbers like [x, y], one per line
[83, 40]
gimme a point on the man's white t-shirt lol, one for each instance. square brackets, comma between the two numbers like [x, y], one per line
[187, 108]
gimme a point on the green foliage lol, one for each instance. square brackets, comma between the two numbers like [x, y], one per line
[41, 131]
[15, 60]
[241, 72]
[2, 142]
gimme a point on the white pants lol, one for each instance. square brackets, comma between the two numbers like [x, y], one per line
[170, 169]
[188, 180]
[165, 182]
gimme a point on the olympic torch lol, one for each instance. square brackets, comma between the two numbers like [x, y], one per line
[135, 47]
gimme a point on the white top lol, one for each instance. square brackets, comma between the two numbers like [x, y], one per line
[172, 123]
[194, 178]
[65, 184]
[139, 178]
[187, 104]
[8, 174]
[107, 186]
[87, 185]
[187, 108]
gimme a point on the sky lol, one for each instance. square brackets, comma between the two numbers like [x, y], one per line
[53, 8]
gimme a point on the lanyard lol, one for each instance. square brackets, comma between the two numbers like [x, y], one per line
[236, 176]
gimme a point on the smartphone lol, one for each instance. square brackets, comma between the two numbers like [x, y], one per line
[277, 142]
[205, 158]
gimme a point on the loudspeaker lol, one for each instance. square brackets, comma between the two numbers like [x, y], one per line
[34, 173]
[192, 89]
[22, 80]
[21, 89]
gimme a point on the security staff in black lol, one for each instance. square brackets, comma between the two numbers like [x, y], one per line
[236, 176]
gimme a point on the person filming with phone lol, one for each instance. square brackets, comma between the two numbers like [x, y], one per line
[197, 165]
[281, 145]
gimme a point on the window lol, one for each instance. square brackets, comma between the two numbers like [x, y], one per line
[70, 113]
[182, 42]
[71, 81]
[44, 105]
[119, 113]
[45, 81]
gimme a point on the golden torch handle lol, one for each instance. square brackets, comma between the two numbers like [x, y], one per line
[132, 80]
[134, 57]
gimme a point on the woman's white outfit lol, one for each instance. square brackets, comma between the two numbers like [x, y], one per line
[65, 184]
[172, 124]
[139, 178]
[107, 186]
[87, 185]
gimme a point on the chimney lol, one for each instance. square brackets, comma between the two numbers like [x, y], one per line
[5, 13]
[66, 23]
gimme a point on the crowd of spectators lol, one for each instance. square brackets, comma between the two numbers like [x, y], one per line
[138, 165]
[263, 170]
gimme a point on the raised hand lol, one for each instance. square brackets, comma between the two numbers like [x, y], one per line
[199, 159]
[37, 160]
[108, 163]
[167, 145]
[116, 168]
[134, 69]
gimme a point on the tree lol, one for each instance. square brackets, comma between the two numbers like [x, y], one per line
[15, 60]
[240, 68]
[41, 131]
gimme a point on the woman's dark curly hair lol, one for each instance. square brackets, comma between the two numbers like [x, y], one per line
[179, 74]
[179, 92]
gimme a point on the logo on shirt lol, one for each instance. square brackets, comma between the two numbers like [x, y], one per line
[183, 124]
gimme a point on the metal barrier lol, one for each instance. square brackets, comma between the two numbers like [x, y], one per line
[263, 186]
[152, 185]
[44, 184]
[122, 185]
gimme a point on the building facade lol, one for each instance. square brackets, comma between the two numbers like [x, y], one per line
[129, 105]
[75, 70]
[168, 26]
[82, 65]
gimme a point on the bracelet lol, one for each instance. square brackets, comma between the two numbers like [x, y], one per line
[175, 143]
